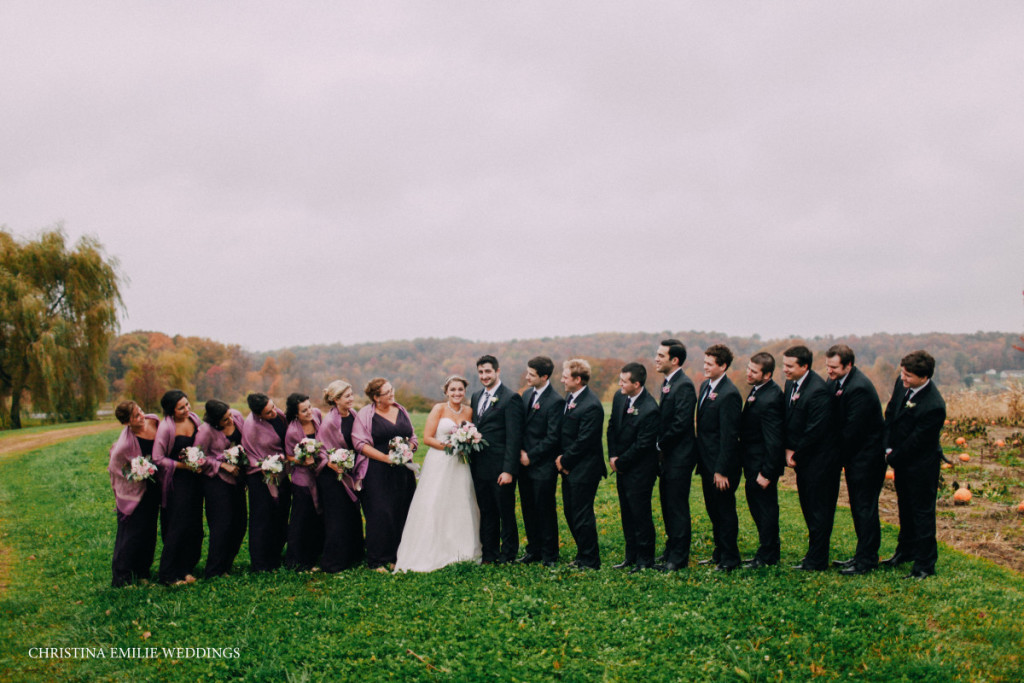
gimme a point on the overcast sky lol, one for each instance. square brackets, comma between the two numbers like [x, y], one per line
[319, 172]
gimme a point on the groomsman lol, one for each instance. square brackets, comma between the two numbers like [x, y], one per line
[538, 478]
[633, 455]
[677, 449]
[498, 414]
[582, 460]
[913, 422]
[857, 434]
[808, 451]
[763, 455]
[718, 458]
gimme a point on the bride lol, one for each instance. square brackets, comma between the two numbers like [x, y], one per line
[444, 521]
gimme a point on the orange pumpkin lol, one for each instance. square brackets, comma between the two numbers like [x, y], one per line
[1020, 506]
[890, 475]
[960, 441]
[964, 457]
[947, 465]
[1000, 444]
[962, 496]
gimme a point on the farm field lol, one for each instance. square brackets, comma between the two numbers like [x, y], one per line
[507, 623]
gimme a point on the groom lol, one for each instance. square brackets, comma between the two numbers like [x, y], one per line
[498, 414]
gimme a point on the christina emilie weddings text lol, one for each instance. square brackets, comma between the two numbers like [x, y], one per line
[134, 653]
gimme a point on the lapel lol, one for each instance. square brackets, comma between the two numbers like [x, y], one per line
[540, 404]
[702, 403]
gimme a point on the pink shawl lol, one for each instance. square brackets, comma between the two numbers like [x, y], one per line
[163, 444]
[362, 431]
[260, 440]
[127, 494]
[331, 436]
[214, 442]
[302, 475]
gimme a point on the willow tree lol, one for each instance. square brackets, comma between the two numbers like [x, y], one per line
[58, 314]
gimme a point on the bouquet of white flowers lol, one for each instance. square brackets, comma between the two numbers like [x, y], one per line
[193, 457]
[464, 440]
[139, 468]
[399, 451]
[272, 466]
[306, 450]
[235, 456]
[342, 458]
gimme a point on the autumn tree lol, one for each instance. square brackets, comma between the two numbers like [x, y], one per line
[58, 313]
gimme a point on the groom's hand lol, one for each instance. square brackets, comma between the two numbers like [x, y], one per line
[504, 478]
[524, 459]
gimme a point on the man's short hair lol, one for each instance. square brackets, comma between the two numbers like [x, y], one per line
[801, 353]
[485, 359]
[721, 354]
[637, 372]
[578, 367]
[542, 365]
[844, 352]
[765, 361]
[919, 363]
[676, 349]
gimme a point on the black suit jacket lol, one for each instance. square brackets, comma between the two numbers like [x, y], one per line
[676, 436]
[912, 432]
[542, 431]
[761, 430]
[858, 422]
[633, 438]
[582, 453]
[808, 418]
[718, 422]
[501, 426]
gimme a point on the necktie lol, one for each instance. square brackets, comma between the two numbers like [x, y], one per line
[906, 399]
[792, 395]
[485, 402]
[536, 396]
[707, 390]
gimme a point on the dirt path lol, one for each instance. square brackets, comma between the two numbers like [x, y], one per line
[11, 445]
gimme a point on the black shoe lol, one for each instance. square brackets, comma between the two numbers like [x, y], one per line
[725, 568]
[853, 570]
[639, 568]
[625, 564]
[754, 564]
[548, 563]
[918, 574]
[898, 558]
[527, 558]
[807, 568]
[843, 563]
[668, 567]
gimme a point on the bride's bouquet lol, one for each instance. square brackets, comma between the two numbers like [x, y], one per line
[343, 459]
[399, 451]
[139, 468]
[193, 457]
[235, 456]
[306, 450]
[272, 466]
[463, 441]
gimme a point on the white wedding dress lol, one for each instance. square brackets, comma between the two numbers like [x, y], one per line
[443, 525]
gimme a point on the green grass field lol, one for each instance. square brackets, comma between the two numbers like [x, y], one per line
[482, 623]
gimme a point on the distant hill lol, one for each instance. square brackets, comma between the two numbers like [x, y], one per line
[418, 366]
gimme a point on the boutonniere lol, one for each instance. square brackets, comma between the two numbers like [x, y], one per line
[632, 410]
[910, 404]
[751, 398]
[712, 396]
[665, 389]
[494, 399]
[795, 397]
[572, 404]
[536, 406]
[839, 392]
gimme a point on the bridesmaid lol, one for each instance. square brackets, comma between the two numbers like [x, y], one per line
[224, 487]
[387, 489]
[181, 520]
[306, 527]
[138, 502]
[343, 524]
[262, 436]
